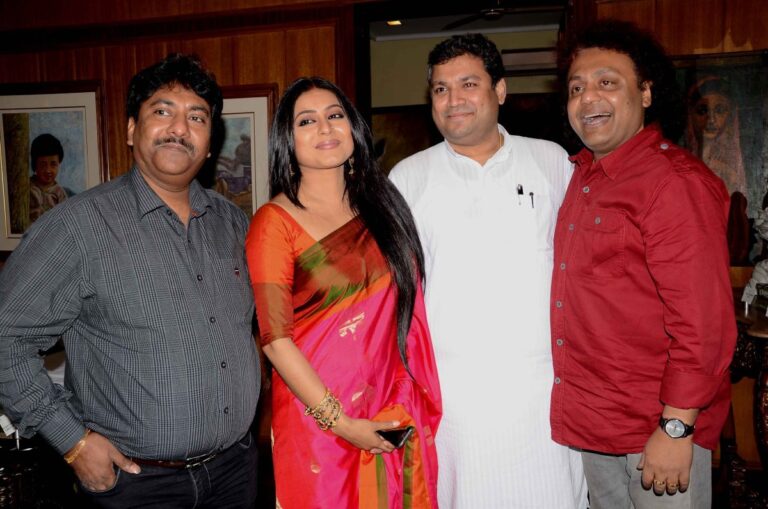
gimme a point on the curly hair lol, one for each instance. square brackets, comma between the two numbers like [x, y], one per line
[468, 44]
[175, 69]
[371, 195]
[651, 65]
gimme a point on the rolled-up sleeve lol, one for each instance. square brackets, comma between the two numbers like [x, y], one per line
[684, 232]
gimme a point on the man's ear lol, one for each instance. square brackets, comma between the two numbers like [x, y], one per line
[645, 89]
[501, 90]
[131, 127]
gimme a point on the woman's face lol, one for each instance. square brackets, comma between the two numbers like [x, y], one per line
[710, 116]
[321, 131]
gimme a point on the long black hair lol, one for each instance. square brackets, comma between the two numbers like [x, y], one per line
[372, 197]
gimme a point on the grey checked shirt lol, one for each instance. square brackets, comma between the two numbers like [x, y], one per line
[156, 320]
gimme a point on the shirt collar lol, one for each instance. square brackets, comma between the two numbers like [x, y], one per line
[632, 150]
[147, 200]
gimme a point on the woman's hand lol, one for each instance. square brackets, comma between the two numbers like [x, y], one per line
[362, 433]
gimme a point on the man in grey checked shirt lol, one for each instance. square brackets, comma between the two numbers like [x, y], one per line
[145, 279]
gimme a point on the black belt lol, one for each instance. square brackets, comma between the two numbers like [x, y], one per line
[178, 464]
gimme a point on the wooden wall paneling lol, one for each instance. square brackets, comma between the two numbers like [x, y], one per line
[89, 63]
[639, 12]
[120, 66]
[215, 53]
[310, 51]
[137, 10]
[746, 25]
[346, 46]
[19, 15]
[259, 58]
[57, 65]
[19, 67]
[150, 51]
[686, 28]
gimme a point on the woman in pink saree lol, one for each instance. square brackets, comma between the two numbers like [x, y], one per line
[335, 264]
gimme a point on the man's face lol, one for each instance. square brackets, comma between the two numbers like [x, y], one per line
[46, 170]
[171, 137]
[606, 107]
[465, 104]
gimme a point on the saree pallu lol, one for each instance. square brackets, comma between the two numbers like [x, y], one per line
[334, 298]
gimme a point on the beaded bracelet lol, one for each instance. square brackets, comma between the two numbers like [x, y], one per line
[72, 455]
[327, 412]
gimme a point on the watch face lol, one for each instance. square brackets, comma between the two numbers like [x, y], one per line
[675, 428]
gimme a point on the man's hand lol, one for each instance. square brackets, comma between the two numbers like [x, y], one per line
[666, 463]
[93, 464]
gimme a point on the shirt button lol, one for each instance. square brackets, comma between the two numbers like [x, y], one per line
[571, 227]
[558, 304]
[562, 266]
[212, 319]
[585, 189]
[559, 342]
[664, 146]
[557, 379]
[170, 213]
[226, 409]
[598, 220]
[199, 277]
[223, 364]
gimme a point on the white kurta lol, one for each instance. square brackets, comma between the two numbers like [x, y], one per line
[488, 256]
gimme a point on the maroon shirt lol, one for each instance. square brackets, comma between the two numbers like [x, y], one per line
[641, 306]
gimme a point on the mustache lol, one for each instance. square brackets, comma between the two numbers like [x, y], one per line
[173, 139]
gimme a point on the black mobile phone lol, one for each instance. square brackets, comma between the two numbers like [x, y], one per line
[396, 436]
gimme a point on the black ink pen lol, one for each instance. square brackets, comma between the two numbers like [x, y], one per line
[519, 193]
[531, 195]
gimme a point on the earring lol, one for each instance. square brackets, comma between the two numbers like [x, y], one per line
[291, 172]
[351, 162]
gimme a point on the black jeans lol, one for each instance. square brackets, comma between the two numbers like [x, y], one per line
[226, 482]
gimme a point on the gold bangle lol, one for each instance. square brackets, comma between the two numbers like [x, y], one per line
[72, 455]
[326, 414]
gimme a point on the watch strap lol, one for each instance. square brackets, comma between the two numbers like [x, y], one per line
[689, 428]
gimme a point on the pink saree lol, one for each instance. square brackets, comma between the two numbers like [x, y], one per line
[334, 299]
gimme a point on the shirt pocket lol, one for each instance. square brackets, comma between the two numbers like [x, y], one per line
[604, 231]
[233, 281]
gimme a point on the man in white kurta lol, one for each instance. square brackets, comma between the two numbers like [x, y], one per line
[485, 205]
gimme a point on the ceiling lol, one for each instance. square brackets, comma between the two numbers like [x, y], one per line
[476, 16]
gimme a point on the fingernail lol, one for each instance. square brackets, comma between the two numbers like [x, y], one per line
[134, 469]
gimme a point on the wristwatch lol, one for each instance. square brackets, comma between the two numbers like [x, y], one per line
[675, 428]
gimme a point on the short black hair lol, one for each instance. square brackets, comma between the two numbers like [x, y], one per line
[468, 44]
[46, 145]
[651, 65]
[175, 69]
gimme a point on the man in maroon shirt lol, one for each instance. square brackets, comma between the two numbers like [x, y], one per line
[642, 314]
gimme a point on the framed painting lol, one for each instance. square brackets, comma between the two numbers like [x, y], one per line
[240, 163]
[51, 148]
[726, 97]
